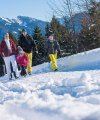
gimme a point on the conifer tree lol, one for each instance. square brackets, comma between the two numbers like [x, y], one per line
[47, 28]
[39, 40]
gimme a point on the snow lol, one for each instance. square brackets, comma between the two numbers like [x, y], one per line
[18, 21]
[6, 19]
[71, 93]
[15, 32]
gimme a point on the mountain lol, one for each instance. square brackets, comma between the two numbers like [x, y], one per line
[21, 22]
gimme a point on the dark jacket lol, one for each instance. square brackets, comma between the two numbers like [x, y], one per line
[52, 47]
[27, 43]
[5, 52]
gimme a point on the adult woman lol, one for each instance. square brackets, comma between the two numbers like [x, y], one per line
[8, 50]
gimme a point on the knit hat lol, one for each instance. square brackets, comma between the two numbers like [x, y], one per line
[19, 49]
[50, 32]
[23, 30]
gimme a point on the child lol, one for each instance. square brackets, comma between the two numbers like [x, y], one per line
[52, 49]
[22, 61]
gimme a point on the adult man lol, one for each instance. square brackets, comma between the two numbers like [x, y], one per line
[27, 44]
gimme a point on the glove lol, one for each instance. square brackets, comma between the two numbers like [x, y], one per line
[36, 52]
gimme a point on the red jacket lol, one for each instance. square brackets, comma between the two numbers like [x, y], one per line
[4, 51]
[22, 60]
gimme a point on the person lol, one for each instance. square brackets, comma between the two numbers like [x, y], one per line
[22, 61]
[2, 66]
[52, 48]
[27, 44]
[8, 51]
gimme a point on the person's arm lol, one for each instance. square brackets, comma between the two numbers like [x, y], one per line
[34, 45]
[19, 43]
[14, 48]
[17, 59]
[26, 58]
[58, 49]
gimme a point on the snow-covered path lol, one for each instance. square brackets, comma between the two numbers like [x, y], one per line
[72, 93]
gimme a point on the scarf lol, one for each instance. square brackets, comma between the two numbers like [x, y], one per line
[8, 44]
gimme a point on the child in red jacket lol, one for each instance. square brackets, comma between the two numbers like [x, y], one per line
[22, 61]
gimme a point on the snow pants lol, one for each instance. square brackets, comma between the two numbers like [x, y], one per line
[29, 66]
[53, 58]
[11, 60]
[23, 71]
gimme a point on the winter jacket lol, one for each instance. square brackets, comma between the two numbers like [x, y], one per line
[22, 60]
[5, 51]
[52, 47]
[27, 43]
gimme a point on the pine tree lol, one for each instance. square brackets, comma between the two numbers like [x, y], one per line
[37, 36]
[47, 28]
[55, 26]
[88, 36]
[94, 12]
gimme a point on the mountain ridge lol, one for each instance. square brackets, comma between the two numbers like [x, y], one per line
[21, 22]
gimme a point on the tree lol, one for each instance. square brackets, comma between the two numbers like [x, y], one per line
[47, 28]
[37, 36]
[88, 35]
[94, 12]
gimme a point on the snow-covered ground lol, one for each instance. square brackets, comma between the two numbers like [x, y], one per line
[72, 93]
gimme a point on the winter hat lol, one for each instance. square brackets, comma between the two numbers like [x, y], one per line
[19, 48]
[23, 30]
[51, 32]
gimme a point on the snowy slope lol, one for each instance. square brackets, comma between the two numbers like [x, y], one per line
[72, 93]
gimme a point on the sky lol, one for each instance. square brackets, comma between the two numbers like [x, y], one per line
[38, 9]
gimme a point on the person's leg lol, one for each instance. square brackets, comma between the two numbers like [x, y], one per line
[21, 68]
[14, 65]
[53, 61]
[55, 55]
[29, 66]
[23, 71]
[8, 69]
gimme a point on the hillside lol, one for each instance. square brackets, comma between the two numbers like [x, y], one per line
[71, 93]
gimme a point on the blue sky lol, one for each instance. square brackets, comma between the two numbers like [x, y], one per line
[38, 9]
[33, 8]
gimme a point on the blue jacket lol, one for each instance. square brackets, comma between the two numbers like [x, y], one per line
[52, 47]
